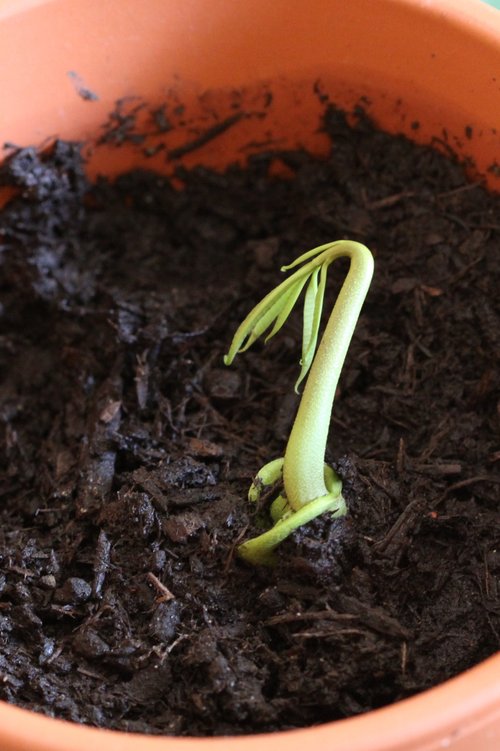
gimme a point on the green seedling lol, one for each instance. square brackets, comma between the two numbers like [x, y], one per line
[310, 487]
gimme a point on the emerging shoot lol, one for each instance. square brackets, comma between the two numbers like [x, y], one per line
[310, 487]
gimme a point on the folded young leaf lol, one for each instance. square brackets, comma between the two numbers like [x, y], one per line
[268, 310]
[291, 298]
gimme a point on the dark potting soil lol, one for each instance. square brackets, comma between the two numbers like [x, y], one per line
[127, 448]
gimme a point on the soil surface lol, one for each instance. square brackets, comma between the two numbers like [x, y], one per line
[127, 448]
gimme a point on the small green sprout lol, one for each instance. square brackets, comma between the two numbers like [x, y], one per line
[310, 487]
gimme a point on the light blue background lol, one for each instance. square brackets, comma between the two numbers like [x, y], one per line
[495, 3]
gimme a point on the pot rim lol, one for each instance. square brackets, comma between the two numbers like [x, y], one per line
[476, 693]
[477, 14]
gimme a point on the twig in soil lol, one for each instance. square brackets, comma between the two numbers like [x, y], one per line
[375, 618]
[68, 610]
[415, 340]
[457, 191]
[404, 656]
[397, 534]
[388, 201]
[165, 594]
[177, 641]
[465, 484]
[486, 594]
[162, 652]
[232, 549]
[396, 537]
[457, 220]
[26, 573]
[370, 618]
[244, 445]
[464, 270]
[314, 615]
[205, 403]
[441, 432]
[101, 563]
[205, 137]
[441, 469]
[329, 632]
[401, 456]
[57, 652]
[486, 226]
[375, 481]
[90, 674]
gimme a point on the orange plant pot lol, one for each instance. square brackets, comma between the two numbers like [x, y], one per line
[256, 71]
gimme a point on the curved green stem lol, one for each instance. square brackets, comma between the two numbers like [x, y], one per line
[305, 452]
[260, 550]
[309, 488]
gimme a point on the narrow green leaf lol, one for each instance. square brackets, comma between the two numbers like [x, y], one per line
[277, 304]
[256, 323]
[309, 300]
[291, 298]
[263, 322]
[309, 350]
[263, 314]
[309, 254]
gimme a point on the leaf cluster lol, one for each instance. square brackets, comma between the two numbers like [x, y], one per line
[270, 314]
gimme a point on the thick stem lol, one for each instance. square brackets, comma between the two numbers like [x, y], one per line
[303, 471]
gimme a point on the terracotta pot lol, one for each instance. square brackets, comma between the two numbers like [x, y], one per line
[425, 68]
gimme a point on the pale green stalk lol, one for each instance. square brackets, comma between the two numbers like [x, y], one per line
[303, 472]
[310, 487]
